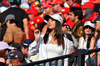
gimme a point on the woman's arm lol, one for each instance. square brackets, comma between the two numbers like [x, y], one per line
[80, 39]
[92, 43]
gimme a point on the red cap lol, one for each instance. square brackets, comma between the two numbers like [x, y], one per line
[65, 10]
[36, 3]
[47, 5]
[57, 2]
[77, 5]
[32, 11]
[38, 19]
[88, 5]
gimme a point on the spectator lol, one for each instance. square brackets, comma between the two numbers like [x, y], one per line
[65, 15]
[56, 5]
[20, 15]
[87, 41]
[17, 58]
[61, 46]
[97, 35]
[31, 14]
[48, 8]
[40, 23]
[24, 49]
[37, 5]
[88, 12]
[24, 6]
[4, 47]
[13, 33]
[71, 3]
[76, 17]
[2, 3]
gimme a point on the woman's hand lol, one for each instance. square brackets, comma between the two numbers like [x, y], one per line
[37, 35]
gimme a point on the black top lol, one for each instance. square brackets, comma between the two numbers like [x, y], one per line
[19, 15]
[77, 29]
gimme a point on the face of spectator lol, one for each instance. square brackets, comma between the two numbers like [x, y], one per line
[72, 17]
[51, 24]
[55, 8]
[31, 17]
[97, 25]
[47, 10]
[38, 9]
[65, 30]
[70, 2]
[66, 16]
[87, 30]
[24, 50]
[35, 25]
[83, 10]
[15, 62]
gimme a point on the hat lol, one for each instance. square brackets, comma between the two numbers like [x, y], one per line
[96, 20]
[4, 45]
[57, 2]
[38, 19]
[16, 45]
[15, 1]
[26, 42]
[55, 17]
[24, 5]
[88, 5]
[65, 10]
[88, 23]
[36, 3]
[2, 9]
[32, 11]
[8, 17]
[15, 55]
[47, 5]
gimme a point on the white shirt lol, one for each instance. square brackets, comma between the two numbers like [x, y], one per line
[43, 48]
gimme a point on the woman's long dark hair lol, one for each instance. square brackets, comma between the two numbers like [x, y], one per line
[90, 36]
[58, 34]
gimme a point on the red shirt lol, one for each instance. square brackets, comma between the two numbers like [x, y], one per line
[70, 23]
[31, 33]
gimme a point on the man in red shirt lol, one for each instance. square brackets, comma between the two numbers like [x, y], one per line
[88, 12]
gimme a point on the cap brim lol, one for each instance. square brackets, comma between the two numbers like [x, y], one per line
[46, 17]
[11, 47]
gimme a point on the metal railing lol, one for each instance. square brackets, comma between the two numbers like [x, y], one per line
[78, 57]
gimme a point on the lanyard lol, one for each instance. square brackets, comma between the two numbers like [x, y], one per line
[13, 6]
[97, 45]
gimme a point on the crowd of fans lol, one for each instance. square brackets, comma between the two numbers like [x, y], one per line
[32, 30]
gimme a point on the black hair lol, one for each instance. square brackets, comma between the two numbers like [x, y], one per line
[77, 12]
[1, 1]
[13, 21]
[58, 34]
[40, 26]
[15, 2]
[90, 36]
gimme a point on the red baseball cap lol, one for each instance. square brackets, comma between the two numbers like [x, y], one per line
[32, 11]
[36, 3]
[88, 5]
[57, 2]
[65, 10]
[47, 5]
[38, 19]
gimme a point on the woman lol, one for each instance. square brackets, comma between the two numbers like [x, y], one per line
[4, 47]
[52, 44]
[87, 41]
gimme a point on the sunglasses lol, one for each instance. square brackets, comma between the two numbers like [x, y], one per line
[88, 27]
